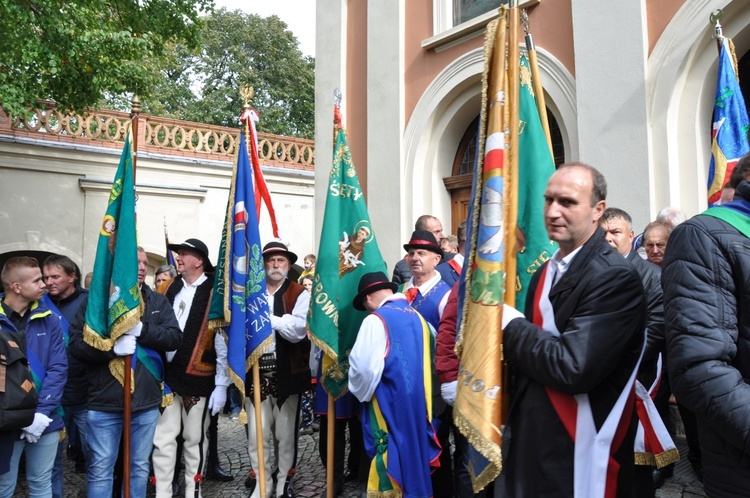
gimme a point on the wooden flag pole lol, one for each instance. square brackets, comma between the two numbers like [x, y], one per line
[511, 185]
[329, 441]
[135, 111]
[259, 430]
[536, 81]
[247, 94]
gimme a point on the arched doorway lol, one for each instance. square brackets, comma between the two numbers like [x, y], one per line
[459, 183]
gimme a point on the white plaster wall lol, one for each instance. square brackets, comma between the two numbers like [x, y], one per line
[386, 192]
[610, 42]
[682, 81]
[54, 198]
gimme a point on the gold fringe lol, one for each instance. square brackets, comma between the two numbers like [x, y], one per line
[669, 456]
[216, 323]
[94, 340]
[488, 450]
[117, 369]
[643, 458]
[393, 493]
[327, 349]
[167, 400]
[259, 351]
[127, 321]
[659, 461]
[63, 434]
[240, 385]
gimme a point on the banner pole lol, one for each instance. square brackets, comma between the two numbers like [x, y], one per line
[259, 430]
[135, 111]
[329, 441]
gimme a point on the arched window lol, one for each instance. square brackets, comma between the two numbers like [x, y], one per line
[459, 183]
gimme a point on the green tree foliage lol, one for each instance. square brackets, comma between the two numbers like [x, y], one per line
[239, 49]
[77, 51]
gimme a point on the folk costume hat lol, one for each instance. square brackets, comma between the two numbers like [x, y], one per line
[197, 246]
[369, 283]
[279, 248]
[424, 239]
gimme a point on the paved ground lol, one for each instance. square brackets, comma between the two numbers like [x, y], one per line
[310, 479]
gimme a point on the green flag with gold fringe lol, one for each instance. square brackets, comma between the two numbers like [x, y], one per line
[114, 304]
[348, 250]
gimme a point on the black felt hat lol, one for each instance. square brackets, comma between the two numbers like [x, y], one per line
[279, 248]
[369, 283]
[424, 239]
[197, 246]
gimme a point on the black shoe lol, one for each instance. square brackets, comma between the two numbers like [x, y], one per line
[350, 474]
[214, 472]
[251, 481]
[659, 476]
[288, 488]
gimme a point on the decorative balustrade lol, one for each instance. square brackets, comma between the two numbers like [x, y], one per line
[159, 135]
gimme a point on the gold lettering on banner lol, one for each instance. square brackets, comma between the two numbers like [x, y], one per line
[477, 385]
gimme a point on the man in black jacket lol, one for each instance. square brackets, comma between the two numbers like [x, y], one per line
[64, 297]
[706, 282]
[147, 342]
[618, 231]
[570, 429]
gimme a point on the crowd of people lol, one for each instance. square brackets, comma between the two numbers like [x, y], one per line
[615, 325]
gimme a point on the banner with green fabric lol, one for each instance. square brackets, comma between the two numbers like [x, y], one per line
[115, 304]
[535, 166]
[348, 250]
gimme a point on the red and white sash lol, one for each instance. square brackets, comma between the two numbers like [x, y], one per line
[653, 444]
[595, 471]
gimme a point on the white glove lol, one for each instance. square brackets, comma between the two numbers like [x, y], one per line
[124, 345]
[29, 437]
[135, 331]
[35, 430]
[448, 391]
[218, 399]
[510, 313]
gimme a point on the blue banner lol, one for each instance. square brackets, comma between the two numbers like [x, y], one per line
[730, 124]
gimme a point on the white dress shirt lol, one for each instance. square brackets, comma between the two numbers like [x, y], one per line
[292, 327]
[367, 359]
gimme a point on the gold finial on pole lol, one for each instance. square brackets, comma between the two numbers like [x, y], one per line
[135, 105]
[247, 93]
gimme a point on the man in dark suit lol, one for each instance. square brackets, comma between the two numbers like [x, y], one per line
[571, 428]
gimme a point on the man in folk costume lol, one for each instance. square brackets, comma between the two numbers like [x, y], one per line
[196, 372]
[571, 425]
[653, 444]
[148, 341]
[285, 372]
[428, 294]
[390, 370]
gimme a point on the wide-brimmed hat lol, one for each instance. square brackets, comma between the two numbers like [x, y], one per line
[197, 246]
[423, 239]
[279, 248]
[369, 283]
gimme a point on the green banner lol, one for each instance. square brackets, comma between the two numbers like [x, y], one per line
[348, 250]
[114, 304]
[535, 166]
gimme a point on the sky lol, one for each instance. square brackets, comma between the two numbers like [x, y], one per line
[299, 15]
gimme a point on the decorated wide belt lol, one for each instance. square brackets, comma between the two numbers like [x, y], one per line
[267, 363]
